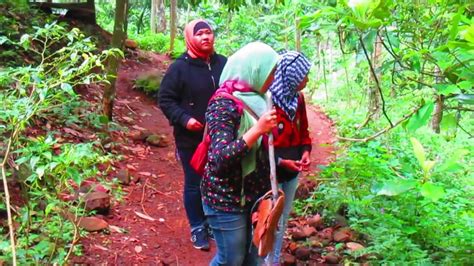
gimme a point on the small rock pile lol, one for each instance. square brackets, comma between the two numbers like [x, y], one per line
[312, 243]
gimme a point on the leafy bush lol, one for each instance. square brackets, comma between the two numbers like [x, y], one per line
[46, 167]
[160, 43]
[149, 82]
[413, 210]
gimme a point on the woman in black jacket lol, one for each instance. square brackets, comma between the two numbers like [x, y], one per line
[184, 93]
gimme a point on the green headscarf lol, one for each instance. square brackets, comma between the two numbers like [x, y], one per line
[251, 64]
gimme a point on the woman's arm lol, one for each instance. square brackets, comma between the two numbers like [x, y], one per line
[223, 119]
[170, 97]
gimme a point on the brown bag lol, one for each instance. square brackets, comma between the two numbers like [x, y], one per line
[265, 221]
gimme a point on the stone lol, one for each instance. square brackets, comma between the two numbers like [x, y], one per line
[343, 234]
[131, 44]
[124, 177]
[326, 234]
[316, 242]
[302, 253]
[292, 247]
[332, 258]
[92, 224]
[302, 232]
[315, 221]
[139, 135]
[353, 246]
[90, 186]
[158, 140]
[98, 201]
[288, 259]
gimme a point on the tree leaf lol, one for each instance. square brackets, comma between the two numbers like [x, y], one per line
[465, 98]
[447, 89]
[396, 187]
[432, 191]
[144, 216]
[448, 122]
[428, 165]
[420, 118]
[418, 151]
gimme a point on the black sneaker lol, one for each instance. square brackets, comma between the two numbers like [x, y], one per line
[200, 239]
[210, 234]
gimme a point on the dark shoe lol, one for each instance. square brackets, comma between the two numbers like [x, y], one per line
[210, 234]
[200, 239]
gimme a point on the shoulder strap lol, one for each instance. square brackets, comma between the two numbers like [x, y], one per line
[246, 107]
[235, 99]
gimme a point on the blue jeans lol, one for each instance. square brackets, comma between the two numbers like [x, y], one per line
[289, 187]
[192, 191]
[233, 234]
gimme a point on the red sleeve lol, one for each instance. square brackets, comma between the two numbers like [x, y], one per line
[304, 132]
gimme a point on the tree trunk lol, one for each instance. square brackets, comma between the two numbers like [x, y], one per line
[438, 111]
[158, 17]
[161, 27]
[297, 35]
[173, 22]
[373, 92]
[118, 39]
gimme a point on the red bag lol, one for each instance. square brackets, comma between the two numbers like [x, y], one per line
[199, 159]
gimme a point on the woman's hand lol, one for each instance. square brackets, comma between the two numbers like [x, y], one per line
[291, 165]
[305, 161]
[194, 125]
[267, 122]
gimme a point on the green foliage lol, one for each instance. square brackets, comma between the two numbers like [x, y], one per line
[409, 213]
[160, 43]
[45, 165]
[149, 83]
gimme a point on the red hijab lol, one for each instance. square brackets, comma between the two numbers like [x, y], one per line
[193, 49]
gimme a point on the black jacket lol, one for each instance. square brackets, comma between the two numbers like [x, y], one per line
[185, 92]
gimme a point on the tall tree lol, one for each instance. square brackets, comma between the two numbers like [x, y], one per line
[373, 90]
[158, 16]
[118, 39]
[173, 22]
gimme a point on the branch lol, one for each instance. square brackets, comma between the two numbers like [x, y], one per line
[388, 128]
[465, 131]
[460, 109]
[7, 196]
[376, 80]
[340, 40]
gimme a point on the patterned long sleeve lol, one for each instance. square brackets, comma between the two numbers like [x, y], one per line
[223, 122]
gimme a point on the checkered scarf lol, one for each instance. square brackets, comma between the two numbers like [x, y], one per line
[291, 70]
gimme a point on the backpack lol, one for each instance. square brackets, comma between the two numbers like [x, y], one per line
[199, 159]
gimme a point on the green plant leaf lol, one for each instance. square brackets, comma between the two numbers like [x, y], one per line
[33, 161]
[447, 89]
[396, 187]
[420, 118]
[25, 41]
[428, 165]
[448, 122]
[465, 98]
[432, 191]
[419, 151]
[4, 39]
[40, 171]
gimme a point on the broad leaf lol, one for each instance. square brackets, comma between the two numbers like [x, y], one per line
[396, 187]
[432, 191]
[419, 151]
[465, 98]
[447, 89]
[420, 118]
[428, 165]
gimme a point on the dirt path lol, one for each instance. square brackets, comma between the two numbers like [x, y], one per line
[164, 241]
